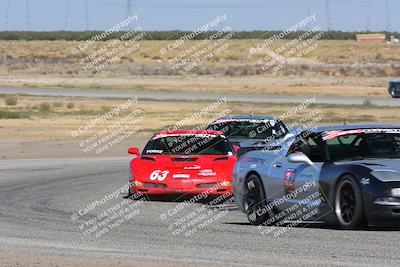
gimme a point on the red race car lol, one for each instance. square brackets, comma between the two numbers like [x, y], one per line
[184, 162]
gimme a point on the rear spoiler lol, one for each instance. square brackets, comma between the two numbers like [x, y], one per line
[244, 150]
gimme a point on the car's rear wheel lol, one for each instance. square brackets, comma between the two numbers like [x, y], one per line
[255, 200]
[349, 207]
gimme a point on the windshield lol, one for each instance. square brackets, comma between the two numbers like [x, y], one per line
[189, 145]
[364, 145]
[396, 85]
[250, 129]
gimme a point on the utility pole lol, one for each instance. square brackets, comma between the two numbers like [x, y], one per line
[309, 10]
[369, 17]
[7, 17]
[387, 13]
[128, 8]
[129, 11]
[28, 15]
[328, 15]
[67, 14]
[87, 14]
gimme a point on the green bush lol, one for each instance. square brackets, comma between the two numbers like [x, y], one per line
[4, 114]
[105, 109]
[70, 105]
[11, 100]
[45, 107]
[57, 104]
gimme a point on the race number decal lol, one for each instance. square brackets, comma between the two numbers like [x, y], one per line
[289, 181]
[158, 175]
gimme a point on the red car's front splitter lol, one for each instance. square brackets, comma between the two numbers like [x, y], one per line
[203, 192]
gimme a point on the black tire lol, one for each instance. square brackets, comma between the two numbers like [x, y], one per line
[349, 206]
[393, 93]
[255, 200]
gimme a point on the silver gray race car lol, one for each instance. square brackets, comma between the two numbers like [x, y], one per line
[345, 175]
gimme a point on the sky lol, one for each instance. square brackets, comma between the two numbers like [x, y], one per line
[52, 15]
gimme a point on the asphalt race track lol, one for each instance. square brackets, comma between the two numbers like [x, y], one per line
[38, 198]
[249, 98]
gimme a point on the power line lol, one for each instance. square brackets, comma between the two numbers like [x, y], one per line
[67, 14]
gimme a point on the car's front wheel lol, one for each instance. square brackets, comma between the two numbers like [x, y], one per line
[393, 93]
[349, 206]
[255, 201]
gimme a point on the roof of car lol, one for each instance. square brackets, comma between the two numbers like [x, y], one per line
[351, 127]
[246, 117]
[186, 132]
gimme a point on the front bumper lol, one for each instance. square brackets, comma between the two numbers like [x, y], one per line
[204, 190]
[385, 208]
[380, 202]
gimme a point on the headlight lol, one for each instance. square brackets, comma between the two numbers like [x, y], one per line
[396, 192]
[137, 183]
[386, 175]
[226, 183]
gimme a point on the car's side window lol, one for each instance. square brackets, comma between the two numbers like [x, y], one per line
[309, 147]
[315, 151]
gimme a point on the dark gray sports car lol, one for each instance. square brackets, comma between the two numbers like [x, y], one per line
[345, 175]
[248, 131]
[394, 89]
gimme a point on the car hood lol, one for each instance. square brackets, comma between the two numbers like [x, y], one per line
[376, 164]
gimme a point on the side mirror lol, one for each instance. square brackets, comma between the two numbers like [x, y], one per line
[134, 151]
[300, 157]
[236, 148]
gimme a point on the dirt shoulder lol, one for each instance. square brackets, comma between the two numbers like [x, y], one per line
[16, 259]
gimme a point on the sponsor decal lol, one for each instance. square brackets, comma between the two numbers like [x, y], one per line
[271, 122]
[365, 181]
[194, 167]
[207, 172]
[154, 151]
[181, 176]
[333, 134]
[158, 136]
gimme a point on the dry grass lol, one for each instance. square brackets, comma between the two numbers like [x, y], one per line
[335, 68]
[292, 85]
[58, 122]
[327, 51]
